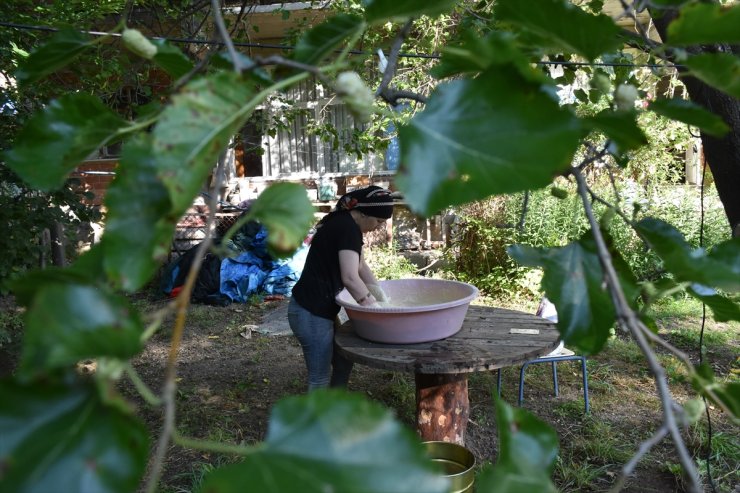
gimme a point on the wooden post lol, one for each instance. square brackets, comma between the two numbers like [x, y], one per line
[45, 247]
[57, 241]
[442, 407]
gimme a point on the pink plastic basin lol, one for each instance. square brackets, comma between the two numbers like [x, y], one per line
[419, 310]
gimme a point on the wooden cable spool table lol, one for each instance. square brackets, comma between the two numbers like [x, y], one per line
[490, 338]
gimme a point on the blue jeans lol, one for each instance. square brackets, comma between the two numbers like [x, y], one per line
[316, 335]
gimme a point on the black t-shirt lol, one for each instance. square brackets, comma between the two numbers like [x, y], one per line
[321, 279]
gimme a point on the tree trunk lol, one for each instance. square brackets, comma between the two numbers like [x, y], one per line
[722, 155]
[57, 245]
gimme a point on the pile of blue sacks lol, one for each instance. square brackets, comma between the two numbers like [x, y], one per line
[246, 270]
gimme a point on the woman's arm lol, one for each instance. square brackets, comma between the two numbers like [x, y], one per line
[366, 274]
[354, 276]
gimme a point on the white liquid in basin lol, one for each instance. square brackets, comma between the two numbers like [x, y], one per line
[401, 300]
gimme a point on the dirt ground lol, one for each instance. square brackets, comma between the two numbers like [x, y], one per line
[230, 376]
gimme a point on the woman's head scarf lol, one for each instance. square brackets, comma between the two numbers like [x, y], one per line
[372, 201]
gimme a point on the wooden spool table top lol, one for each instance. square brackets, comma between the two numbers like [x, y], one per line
[490, 338]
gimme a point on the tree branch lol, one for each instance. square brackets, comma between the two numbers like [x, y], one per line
[239, 16]
[221, 26]
[389, 95]
[392, 96]
[629, 11]
[645, 447]
[628, 318]
[282, 61]
[525, 209]
[616, 209]
[390, 69]
[183, 301]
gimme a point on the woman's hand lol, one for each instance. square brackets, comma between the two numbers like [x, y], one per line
[377, 292]
[367, 300]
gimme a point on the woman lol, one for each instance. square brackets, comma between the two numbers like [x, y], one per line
[335, 262]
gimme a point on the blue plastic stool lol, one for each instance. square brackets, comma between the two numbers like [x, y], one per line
[561, 354]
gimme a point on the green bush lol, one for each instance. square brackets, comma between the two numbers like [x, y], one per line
[387, 264]
[487, 228]
[11, 324]
[479, 241]
[25, 213]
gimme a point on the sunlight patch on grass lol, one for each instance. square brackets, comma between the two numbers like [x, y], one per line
[675, 370]
[623, 349]
[678, 307]
[570, 409]
[689, 337]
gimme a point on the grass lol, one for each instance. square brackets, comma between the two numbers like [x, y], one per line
[572, 475]
[679, 307]
[399, 395]
[687, 337]
[625, 408]
[593, 448]
[198, 472]
[724, 461]
[625, 350]
[600, 441]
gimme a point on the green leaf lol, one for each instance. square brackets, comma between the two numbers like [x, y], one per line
[26, 287]
[573, 280]
[692, 114]
[224, 60]
[69, 322]
[600, 83]
[62, 437]
[562, 25]
[58, 138]
[286, 212]
[384, 10]
[330, 440]
[694, 409]
[724, 309]
[58, 52]
[706, 23]
[721, 70]
[90, 264]
[524, 439]
[171, 59]
[528, 448]
[726, 394]
[729, 395]
[619, 126]
[727, 254]
[467, 143]
[138, 230]
[320, 40]
[195, 129]
[719, 268]
[476, 54]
